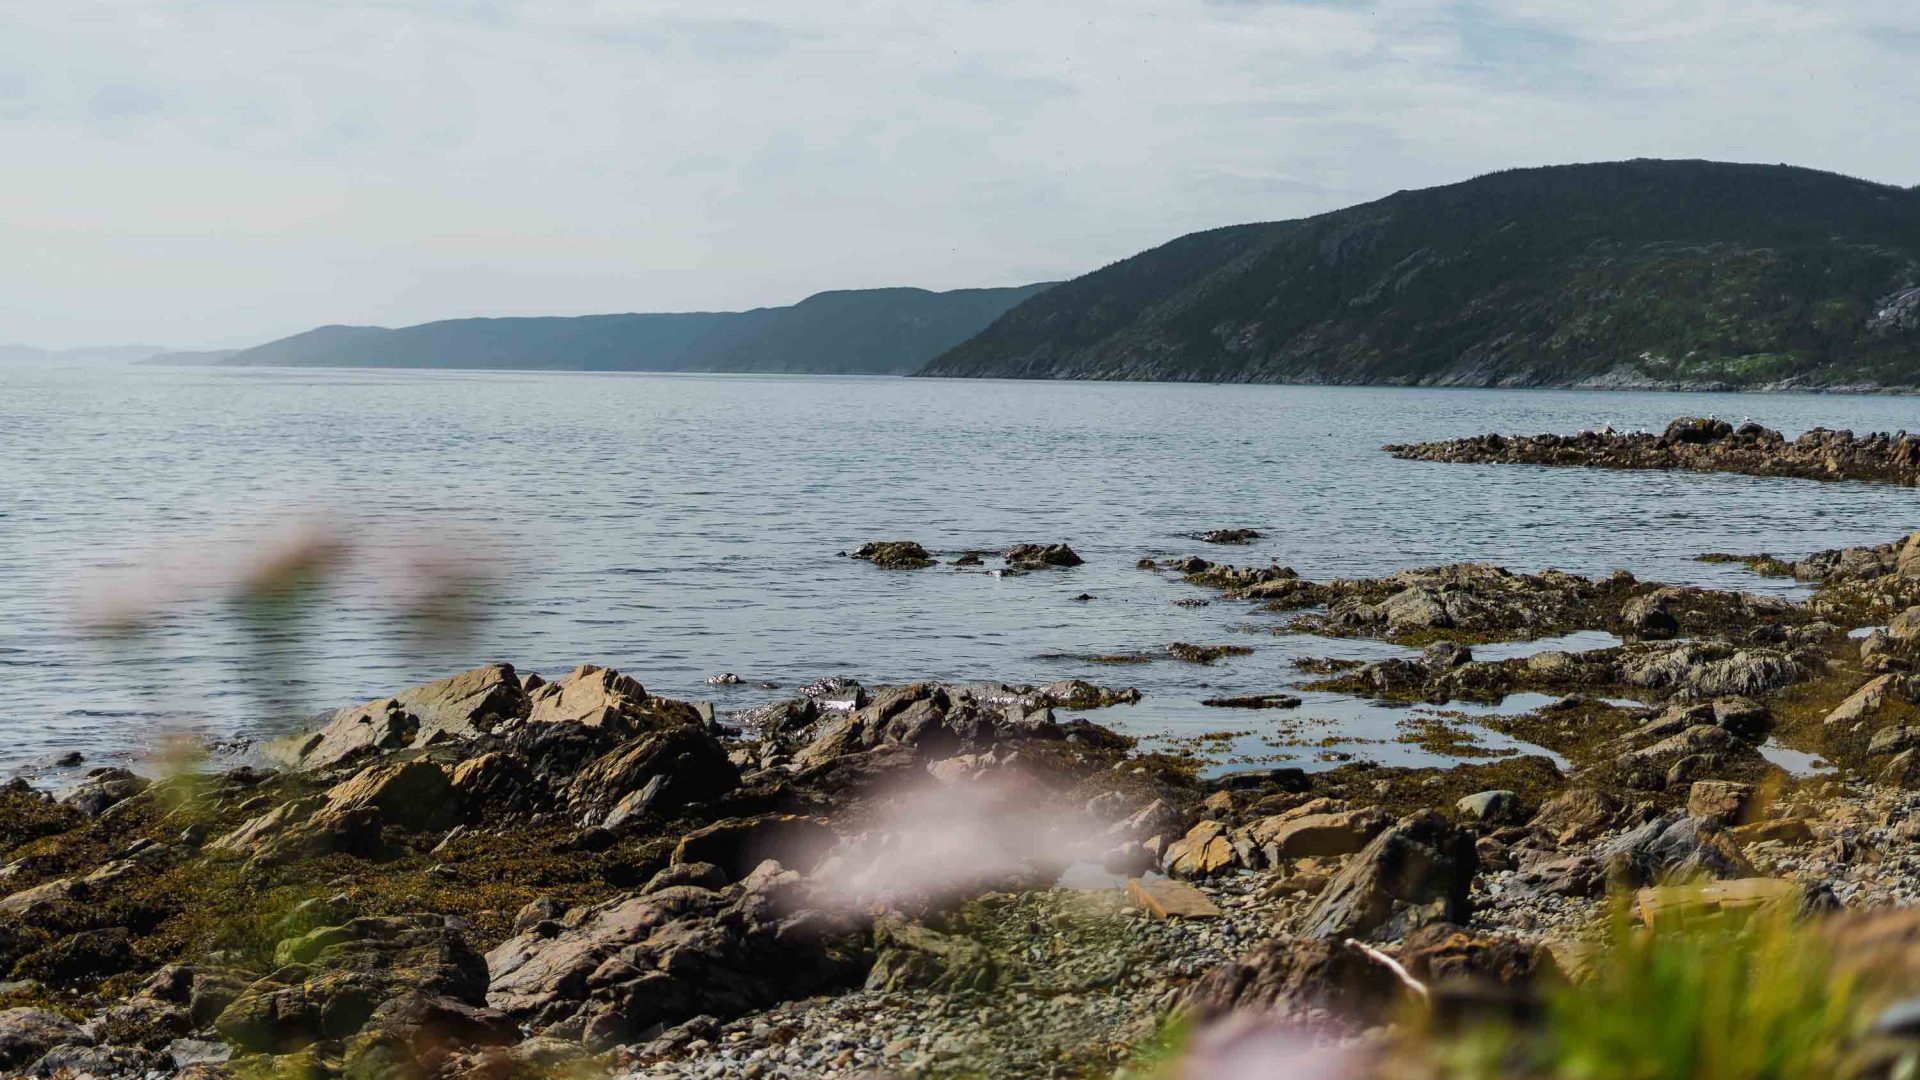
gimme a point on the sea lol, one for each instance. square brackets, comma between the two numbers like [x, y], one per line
[194, 559]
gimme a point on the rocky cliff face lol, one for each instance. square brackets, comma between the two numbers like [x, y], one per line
[1632, 274]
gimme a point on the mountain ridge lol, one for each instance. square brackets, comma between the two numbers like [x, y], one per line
[847, 331]
[1639, 274]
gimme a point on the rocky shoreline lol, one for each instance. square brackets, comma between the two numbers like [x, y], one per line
[1697, 444]
[497, 875]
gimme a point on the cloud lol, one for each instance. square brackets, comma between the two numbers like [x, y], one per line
[208, 171]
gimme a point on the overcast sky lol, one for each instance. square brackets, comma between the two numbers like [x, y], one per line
[219, 172]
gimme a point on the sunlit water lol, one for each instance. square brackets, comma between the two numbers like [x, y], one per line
[680, 526]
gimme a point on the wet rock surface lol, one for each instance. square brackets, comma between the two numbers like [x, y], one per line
[894, 554]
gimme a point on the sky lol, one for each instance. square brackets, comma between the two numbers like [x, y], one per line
[207, 173]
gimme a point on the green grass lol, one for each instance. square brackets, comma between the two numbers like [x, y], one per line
[1717, 999]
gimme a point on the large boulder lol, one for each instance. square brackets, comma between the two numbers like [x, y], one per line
[1646, 618]
[1908, 563]
[460, 707]
[910, 956]
[301, 829]
[336, 979]
[102, 789]
[1300, 836]
[661, 771]
[738, 845]
[1698, 670]
[1294, 977]
[1696, 429]
[589, 695]
[605, 973]
[410, 794]
[1671, 847]
[1418, 871]
[26, 1034]
[500, 785]
[1861, 704]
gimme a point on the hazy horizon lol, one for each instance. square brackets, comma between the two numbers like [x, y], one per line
[207, 175]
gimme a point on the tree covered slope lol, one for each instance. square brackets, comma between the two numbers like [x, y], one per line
[1639, 273]
[872, 331]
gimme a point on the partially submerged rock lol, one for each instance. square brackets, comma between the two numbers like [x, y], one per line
[1041, 556]
[894, 554]
[1697, 444]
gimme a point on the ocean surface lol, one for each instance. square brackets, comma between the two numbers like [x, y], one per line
[676, 527]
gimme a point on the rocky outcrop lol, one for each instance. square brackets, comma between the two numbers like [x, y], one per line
[26, 1034]
[594, 696]
[606, 973]
[1417, 872]
[894, 554]
[1041, 557]
[459, 707]
[389, 990]
[657, 772]
[1295, 977]
[1699, 445]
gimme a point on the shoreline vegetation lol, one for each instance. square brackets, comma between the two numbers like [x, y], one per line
[1708, 872]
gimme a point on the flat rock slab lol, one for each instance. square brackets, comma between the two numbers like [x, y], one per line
[1716, 898]
[1165, 898]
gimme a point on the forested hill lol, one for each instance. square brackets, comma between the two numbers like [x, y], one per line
[872, 331]
[1638, 273]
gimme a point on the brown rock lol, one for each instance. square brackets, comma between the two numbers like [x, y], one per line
[895, 554]
[738, 845]
[1417, 872]
[1319, 834]
[1785, 830]
[25, 1034]
[1444, 953]
[1292, 976]
[1721, 800]
[1577, 814]
[459, 707]
[1908, 564]
[1680, 902]
[1861, 704]
[594, 696]
[1164, 898]
[1203, 852]
[410, 794]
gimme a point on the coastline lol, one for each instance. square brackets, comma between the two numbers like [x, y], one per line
[507, 873]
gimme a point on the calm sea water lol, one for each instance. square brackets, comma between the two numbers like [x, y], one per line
[680, 526]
